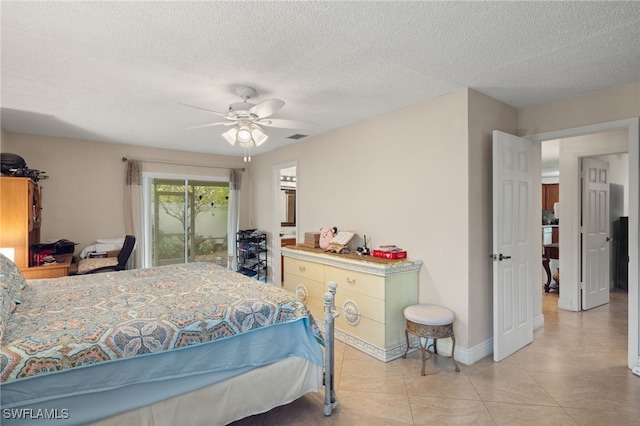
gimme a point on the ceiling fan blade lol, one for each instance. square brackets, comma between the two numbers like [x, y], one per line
[220, 123]
[204, 109]
[285, 124]
[267, 108]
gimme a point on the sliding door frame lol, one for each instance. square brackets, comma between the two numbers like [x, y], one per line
[148, 214]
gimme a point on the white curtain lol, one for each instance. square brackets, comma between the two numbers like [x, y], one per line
[132, 190]
[235, 181]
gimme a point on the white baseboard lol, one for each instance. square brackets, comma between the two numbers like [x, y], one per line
[538, 322]
[463, 355]
[564, 304]
[383, 354]
[467, 356]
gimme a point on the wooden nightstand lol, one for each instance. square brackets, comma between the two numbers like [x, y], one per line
[60, 269]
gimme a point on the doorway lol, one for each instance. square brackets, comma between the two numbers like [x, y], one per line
[550, 216]
[569, 253]
[619, 202]
[285, 214]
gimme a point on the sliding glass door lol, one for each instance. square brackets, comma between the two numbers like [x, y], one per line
[188, 221]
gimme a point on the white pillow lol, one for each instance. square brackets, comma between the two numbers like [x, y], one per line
[111, 241]
[87, 265]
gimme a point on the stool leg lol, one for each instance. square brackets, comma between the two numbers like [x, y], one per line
[406, 335]
[423, 349]
[453, 349]
[435, 346]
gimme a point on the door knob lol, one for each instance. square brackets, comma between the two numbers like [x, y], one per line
[499, 257]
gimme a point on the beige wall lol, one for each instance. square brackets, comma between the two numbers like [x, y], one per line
[400, 178]
[83, 198]
[597, 107]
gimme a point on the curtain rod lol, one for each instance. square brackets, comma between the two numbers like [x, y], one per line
[179, 163]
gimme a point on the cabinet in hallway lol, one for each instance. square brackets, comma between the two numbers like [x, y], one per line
[550, 195]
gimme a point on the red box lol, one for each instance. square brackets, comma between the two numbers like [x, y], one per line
[390, 254]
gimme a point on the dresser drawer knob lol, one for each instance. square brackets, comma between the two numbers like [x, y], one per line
[302, 268]
[351, 281]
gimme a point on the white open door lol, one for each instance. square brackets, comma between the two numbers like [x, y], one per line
[595, 233]
[512, 244]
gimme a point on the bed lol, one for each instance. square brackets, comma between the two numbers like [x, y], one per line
[179, 344]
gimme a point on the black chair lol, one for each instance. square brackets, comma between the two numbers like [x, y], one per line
[106, 264]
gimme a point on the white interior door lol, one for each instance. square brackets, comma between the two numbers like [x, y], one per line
[595, 233]
[512, 244]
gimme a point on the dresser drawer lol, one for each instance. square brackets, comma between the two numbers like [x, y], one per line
[363, 328]
[310, 270]
[370, 307]
[370, 285]
[316, 307]
[304, 288]
[307, 291]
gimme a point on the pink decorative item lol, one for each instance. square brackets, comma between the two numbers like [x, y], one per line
[326, 235]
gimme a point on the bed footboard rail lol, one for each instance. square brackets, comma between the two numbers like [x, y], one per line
[330, 314]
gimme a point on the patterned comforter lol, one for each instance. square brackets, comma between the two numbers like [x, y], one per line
[76, 321]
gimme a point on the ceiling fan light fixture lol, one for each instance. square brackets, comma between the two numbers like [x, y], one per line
[244, 135]
[258, 136]
[230, 135]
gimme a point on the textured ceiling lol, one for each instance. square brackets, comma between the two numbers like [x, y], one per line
[116, 71]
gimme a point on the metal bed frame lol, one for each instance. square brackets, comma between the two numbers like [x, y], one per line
[330, 314]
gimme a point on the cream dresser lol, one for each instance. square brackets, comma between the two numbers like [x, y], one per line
[372, 294]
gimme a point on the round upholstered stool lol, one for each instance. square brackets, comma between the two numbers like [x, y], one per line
[429, 322]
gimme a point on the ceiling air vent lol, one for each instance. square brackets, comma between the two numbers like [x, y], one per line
[297, 136]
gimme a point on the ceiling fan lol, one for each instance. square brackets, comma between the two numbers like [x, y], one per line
[247, 120]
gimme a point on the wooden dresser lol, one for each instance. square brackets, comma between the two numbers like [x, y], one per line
[20, 221]
[372, 294]
[20, 216]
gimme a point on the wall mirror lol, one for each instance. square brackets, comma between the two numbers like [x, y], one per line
[289, 209]
[288, 186]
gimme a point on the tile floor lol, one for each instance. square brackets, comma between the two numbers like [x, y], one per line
[574, 373]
